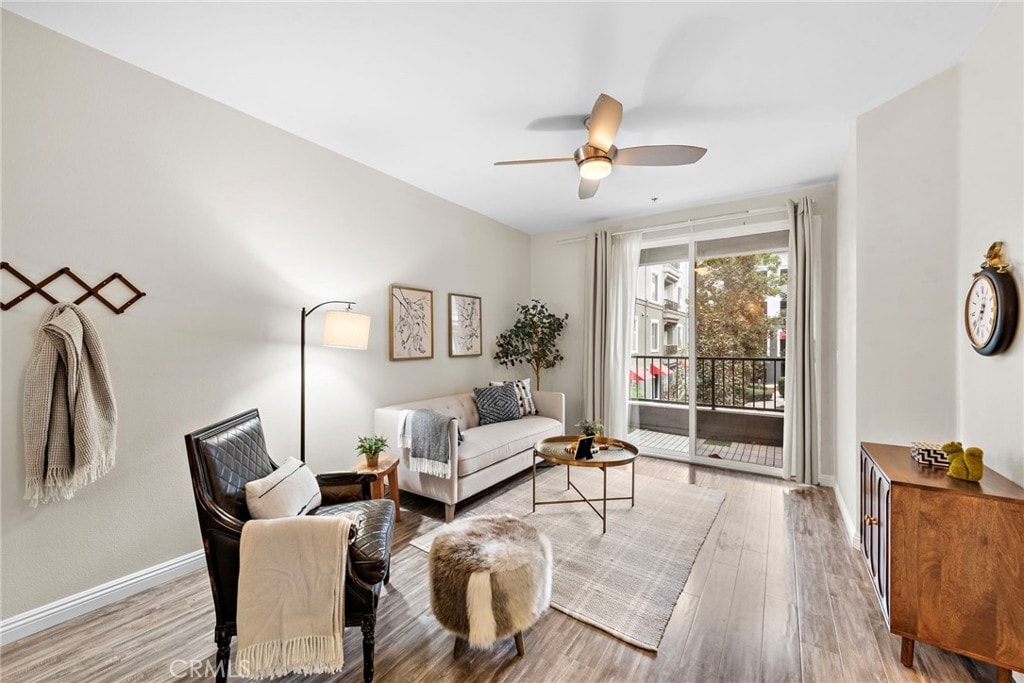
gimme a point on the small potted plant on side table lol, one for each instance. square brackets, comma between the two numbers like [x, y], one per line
[370, 447]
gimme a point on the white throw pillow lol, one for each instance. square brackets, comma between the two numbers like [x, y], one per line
[289, 491]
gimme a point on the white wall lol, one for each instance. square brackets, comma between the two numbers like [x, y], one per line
[558, 273]
[991, 396]
[896, 291]
[931, 179]
[846, 449]
[906, 284]
[230, 226]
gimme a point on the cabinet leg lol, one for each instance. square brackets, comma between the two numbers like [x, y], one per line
[907, 652]
[1004, 675]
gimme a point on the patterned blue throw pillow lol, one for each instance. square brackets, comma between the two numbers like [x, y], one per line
[497, 404]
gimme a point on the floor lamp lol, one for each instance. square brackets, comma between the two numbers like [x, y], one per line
[343, 329]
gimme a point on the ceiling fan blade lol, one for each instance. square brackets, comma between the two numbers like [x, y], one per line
[604, 122]
[659, 155]
[558, 123]
[588, 188]
[532, 161]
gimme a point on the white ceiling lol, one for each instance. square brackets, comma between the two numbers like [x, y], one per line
[434, 93]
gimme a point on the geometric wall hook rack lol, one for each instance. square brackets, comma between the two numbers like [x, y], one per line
[39, 288]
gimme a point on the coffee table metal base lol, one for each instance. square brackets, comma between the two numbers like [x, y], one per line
[603, 512]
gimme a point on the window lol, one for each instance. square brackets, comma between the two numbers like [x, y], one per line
[636, 335]
[655, 336]
[654, 287]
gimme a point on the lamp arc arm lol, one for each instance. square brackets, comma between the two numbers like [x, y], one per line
[306, 312]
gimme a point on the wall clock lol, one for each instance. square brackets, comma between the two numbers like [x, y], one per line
[990, 310]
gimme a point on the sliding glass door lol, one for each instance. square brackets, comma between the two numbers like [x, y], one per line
[707, 372]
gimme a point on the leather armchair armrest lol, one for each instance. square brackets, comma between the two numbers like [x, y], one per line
[333, 484]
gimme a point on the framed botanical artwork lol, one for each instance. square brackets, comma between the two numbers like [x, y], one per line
[412, 323]
[465, 325]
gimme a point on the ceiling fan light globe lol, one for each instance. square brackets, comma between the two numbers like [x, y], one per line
[595, 169]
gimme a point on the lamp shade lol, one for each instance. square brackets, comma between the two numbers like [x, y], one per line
[346, 330]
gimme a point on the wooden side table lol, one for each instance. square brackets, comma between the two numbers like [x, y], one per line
[387, 466]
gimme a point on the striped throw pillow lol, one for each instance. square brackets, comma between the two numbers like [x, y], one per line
[524, 396]
[289, 491]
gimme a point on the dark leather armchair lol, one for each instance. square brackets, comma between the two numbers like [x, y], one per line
[223, 458]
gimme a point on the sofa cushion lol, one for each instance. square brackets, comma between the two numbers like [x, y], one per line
[497, 404]
[485, 445]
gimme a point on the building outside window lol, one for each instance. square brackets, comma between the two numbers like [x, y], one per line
[655, 336]
[636, 334]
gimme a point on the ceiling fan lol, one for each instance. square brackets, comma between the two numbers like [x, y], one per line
[596, 157]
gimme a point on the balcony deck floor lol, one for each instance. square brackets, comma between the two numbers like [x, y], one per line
[756, 454]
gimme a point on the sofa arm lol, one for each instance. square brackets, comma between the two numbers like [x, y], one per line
[338, 487]
[385, 421]
[550, 404]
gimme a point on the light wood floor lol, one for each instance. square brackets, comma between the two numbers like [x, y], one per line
[758, 454]
[776, 594]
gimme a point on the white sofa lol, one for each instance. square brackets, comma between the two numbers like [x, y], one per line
[487, 455]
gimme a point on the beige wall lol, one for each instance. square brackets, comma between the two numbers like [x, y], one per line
[230, 226]
[931, 179]
[557, 278]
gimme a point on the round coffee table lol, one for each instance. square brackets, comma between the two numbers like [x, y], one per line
[612, 453]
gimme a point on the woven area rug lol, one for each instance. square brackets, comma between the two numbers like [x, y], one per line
[627, 581]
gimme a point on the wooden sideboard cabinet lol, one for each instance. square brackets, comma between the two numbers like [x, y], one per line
[946, 557]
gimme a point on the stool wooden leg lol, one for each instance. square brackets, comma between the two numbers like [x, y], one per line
[460, 645]
[1004, 675]
[520, 647]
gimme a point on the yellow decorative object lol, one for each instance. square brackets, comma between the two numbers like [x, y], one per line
[966, 465]
[954, 450]
[975, 467]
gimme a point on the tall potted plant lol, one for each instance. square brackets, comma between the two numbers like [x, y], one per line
[532, 339]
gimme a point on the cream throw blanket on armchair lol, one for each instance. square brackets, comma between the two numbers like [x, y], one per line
[70, 420]
[291, 596]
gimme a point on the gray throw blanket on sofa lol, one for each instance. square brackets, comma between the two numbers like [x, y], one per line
[426, 432]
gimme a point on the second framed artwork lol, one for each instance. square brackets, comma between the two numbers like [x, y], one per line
[411, 315]
[465, 325]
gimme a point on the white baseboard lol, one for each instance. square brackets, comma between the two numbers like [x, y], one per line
[41, 618]
[852, 526]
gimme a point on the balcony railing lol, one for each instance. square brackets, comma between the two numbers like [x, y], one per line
[722, 382]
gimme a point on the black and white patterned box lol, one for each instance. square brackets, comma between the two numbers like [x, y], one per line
[929, 454]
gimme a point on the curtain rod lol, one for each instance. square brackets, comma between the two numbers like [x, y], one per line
[687, 223]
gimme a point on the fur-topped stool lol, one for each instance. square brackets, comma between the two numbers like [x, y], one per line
[490, 578]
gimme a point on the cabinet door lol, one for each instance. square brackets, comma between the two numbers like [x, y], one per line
[874, 527]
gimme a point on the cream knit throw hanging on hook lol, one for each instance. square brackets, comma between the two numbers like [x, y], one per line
[70, 421]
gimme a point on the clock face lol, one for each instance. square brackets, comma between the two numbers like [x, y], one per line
[981, 312]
